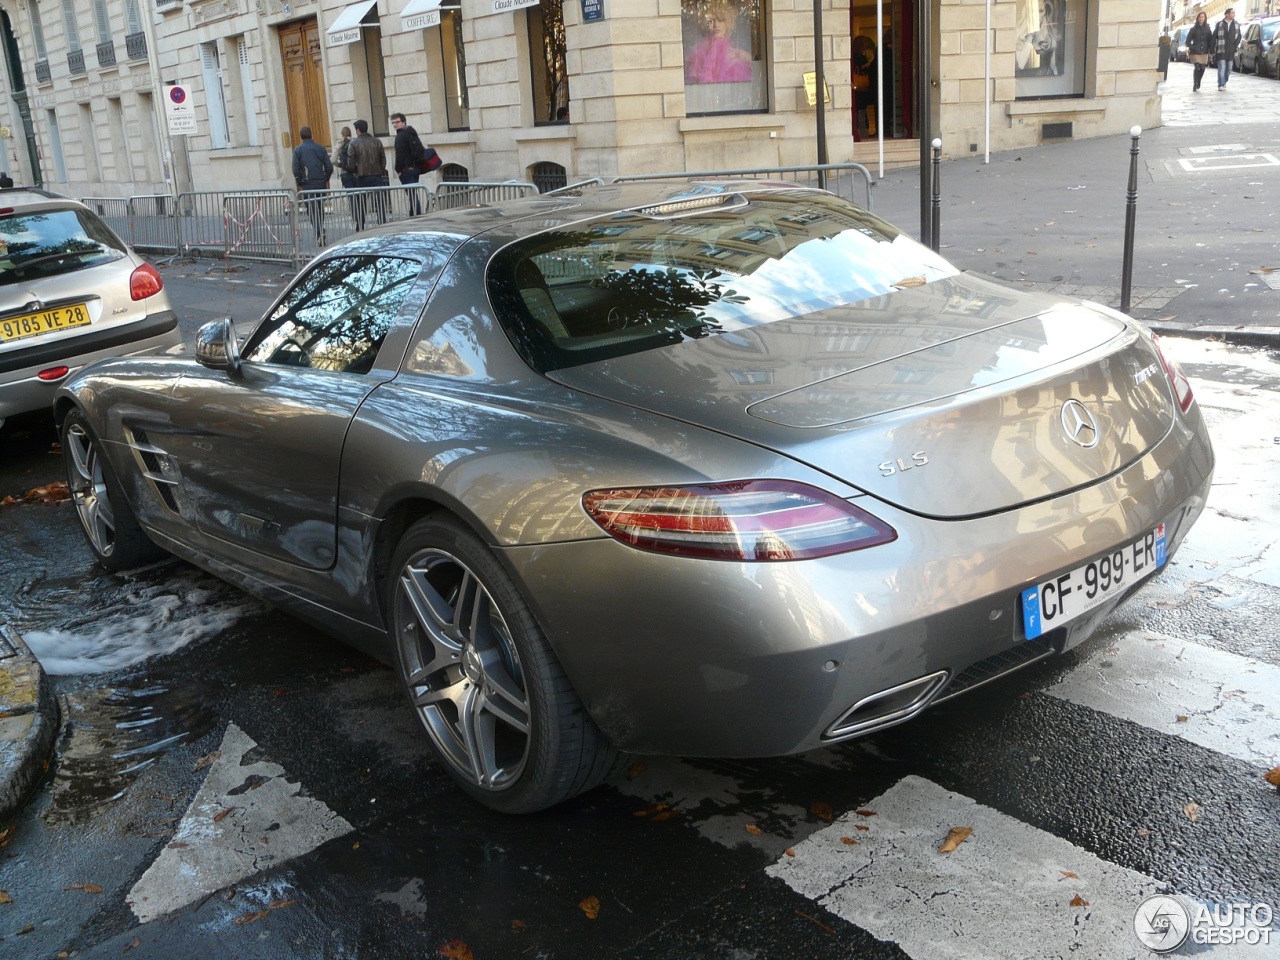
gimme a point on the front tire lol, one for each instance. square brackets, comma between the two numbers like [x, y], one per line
[109, 525]
[498, 710]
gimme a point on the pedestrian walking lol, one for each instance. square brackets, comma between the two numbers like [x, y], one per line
[312, 169]
[1199, 45]
[6, 181]
[346, 170]
[409, 159]
[369, 159]
[1226, 37]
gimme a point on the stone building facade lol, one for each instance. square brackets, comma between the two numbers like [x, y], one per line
[553, 90]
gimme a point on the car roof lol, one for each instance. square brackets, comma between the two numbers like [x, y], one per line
[504, 221]
[19, 199]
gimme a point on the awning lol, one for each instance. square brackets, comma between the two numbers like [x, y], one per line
[346, 29]
[420, 14]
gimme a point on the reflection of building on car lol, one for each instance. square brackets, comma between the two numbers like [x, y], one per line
[720, 469]
[71, 292]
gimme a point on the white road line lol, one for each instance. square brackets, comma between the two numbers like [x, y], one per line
[1235, 162]
[1217, 700]
[1005, 893]
[245, 818]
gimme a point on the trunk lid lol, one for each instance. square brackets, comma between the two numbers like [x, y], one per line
[954, 399]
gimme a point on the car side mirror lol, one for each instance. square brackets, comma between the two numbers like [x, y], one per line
[217, 347]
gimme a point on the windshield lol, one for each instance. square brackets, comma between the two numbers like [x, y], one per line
[1269, 30]
[46, 242]
[632, 282]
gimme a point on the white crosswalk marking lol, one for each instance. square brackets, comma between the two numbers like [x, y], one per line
[1218, 700]
[245, 818]
[1008, 892]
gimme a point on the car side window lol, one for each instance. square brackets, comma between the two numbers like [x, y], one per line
[336, 315]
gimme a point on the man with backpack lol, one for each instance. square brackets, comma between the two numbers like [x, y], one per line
[411, 157]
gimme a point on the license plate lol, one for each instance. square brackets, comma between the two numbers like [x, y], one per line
[46, 321]
[1065, 597]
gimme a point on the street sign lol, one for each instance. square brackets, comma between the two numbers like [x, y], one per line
[592, 10]
[179, 111]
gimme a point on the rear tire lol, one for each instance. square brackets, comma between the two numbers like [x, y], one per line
[499, 712]
[109, 524]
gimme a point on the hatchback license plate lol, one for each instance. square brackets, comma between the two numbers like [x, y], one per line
[46, 321]
[1065, 597]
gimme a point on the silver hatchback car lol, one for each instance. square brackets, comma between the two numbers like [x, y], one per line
[720, 469]
[71, 292]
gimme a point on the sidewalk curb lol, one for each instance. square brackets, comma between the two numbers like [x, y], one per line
[29, 720]
[1253, 335]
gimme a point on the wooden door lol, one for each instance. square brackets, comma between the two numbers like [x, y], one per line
[300, 50]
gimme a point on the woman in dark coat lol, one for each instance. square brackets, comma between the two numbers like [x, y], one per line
[1199, 43]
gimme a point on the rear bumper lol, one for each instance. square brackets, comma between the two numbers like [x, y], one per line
[696, 657]
[22, 391]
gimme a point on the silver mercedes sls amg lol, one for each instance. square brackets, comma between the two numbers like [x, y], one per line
[717, 469]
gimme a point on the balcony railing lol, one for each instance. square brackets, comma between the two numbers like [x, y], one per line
[136, 45]
[107, 54]
[75, 62]
[42, 71]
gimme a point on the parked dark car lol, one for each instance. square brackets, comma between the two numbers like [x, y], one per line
[1256, 39]
[716, 469]
[1179, 43]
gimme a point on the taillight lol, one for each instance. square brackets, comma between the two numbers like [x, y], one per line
[53, 373]
[1181, 385]
[145, 282]
[751, 520]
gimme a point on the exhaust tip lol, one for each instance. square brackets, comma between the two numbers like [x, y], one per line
[887, 707]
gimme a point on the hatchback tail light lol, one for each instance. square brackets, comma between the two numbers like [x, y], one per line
[145, 282]
[1177, 379]
[745, 520]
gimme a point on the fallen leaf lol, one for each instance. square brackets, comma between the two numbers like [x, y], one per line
[356, 845]
[518, 925]
[658, 811]
[455, 950]
[822, 811]
[251, 917]
[849, 841]
[207, 759]
[955, 837]
[865, 813]
[26, 929]
[665, 815]
[281, 904]
[1142, 832]
[219, 817]
[4, 897]
[1192, 810]
[814, 920]
[1272, 777]
[86, 887]
[1026, 695]
[1068, 874]
[134, 944]
[177, 845]
[279, 692]
[591, 907]
[752, 829]
[1181, 718]
[1079, 901]
[789, 852]
[861, 826]
[636, 769]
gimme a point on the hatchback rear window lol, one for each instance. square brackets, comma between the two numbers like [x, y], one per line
[45, 242]
[643, 279]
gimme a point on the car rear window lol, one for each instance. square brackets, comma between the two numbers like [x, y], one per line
[45, 242]
[643, 279]
[1269, 30]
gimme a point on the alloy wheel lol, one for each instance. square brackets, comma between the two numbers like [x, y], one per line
[88, 487]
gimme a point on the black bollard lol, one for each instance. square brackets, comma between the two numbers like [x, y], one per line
[935, 211]
[1130, 221]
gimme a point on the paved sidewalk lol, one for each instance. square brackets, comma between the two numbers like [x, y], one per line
[28, 723]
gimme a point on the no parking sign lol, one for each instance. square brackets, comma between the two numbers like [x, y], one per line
[179, 111]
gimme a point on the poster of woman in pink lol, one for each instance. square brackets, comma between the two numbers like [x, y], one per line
[715, 58]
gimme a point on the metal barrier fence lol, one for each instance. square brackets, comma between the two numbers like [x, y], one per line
[838, 178]
[281, 225]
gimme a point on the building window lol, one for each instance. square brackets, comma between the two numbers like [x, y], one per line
[102, 21]
[371, 79]
[243, 121]
[73, 28]
[724, 56]
[132, 19]
[37, 30]
[1050, 51]
[453, 57]
[215, 104]
[55, 141]
[547, 63]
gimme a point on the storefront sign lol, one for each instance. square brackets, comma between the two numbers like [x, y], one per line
[811, 89]
[502, 6]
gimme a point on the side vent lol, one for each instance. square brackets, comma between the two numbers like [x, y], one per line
[157, 466]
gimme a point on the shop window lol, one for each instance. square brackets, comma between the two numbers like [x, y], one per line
[371, 79]
[724, 56]
[1049, 56]
[453, 57]
[547, 63]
